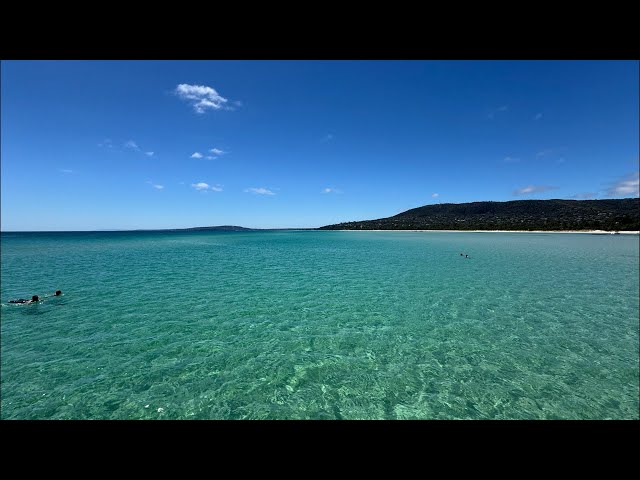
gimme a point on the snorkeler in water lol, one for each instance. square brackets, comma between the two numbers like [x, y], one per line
[34, 299]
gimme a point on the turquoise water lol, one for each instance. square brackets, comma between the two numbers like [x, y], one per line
[320, 325]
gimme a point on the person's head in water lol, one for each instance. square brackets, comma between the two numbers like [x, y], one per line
[35, 298]
[58, 293]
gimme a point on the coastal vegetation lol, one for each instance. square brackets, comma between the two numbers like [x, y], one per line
[611, 214]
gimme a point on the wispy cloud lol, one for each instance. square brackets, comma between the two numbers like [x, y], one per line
[435, 195]
[331, 190]
[259, 191]
[583, 196]
[201, 97]
[154, 185]
[500, 109]
[544, 153]
[534, 189]
[132, 145]
[511, 160]
[537, 116]
[200, 186]
[203, 187]
[65, 170]
[628, 186]
[327, 138]
[215, 151]
[128, 145]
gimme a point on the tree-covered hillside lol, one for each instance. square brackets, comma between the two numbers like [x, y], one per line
[612, 214]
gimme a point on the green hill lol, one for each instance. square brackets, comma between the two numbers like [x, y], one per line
[613, 214]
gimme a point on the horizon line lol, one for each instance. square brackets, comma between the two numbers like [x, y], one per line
[314, 228]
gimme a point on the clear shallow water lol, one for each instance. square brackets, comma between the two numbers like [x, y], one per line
[320, 325]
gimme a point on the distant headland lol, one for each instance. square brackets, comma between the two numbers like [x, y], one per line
[518, 215]
[222, 228]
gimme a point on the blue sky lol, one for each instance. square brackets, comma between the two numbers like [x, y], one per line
[91, 145]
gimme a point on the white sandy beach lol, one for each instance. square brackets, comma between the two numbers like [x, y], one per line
[592, 232]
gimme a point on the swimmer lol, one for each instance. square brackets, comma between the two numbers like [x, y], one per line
[34, 299]
[58, 293]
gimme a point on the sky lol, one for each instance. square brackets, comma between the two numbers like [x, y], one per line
[119, 145]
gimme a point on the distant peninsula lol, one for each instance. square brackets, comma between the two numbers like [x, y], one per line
[556, 215]
[221, 228]
[224, 228]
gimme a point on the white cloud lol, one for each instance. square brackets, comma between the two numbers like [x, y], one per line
[65, 170]
[331, 190]
[538, 116]
[132, 145]
[628, 186]
[149, 154]
[203, 187]
[154, 185]
[435, 195]
[544, 153]
[511, 159]
[200, 97]
[106, 143]
[200, 186]
[533, 189]
[259, 191]
[328, 137]
[216, 152]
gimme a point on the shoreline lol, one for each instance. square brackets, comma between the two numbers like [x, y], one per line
[591, 232]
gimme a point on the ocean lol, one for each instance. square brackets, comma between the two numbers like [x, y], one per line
[320, 325]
